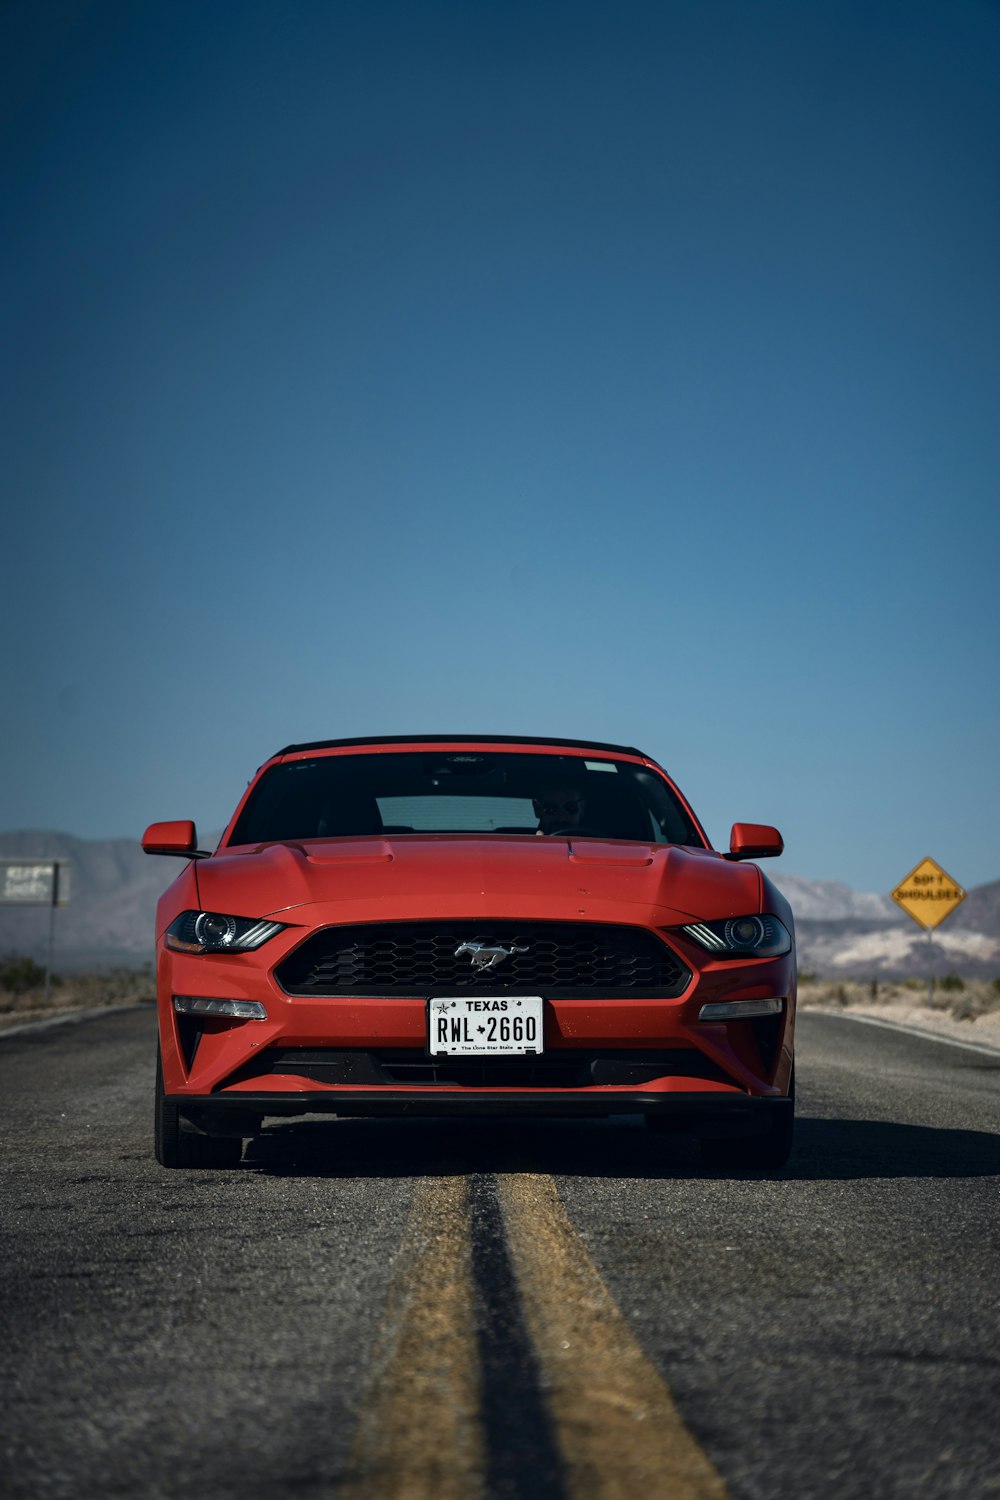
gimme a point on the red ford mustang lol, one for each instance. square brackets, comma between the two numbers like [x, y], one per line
[451, 924]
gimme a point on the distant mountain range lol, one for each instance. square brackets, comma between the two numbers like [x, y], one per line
[862, 935]
[841, 932]
[108, 921]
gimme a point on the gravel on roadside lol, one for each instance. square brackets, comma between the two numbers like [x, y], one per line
[963, 1010]
[72, 996]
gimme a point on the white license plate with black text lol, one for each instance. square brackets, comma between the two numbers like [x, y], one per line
[484, 1025]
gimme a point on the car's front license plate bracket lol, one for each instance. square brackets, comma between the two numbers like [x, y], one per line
[484, 1025]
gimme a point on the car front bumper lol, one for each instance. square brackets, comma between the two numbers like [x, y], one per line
[684, 1067]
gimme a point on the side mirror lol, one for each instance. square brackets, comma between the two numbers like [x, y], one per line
[755, 841]
[171, 838]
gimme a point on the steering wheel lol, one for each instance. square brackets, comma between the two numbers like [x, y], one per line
[585, 829]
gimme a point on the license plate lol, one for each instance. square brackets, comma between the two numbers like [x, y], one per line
[484, 1026]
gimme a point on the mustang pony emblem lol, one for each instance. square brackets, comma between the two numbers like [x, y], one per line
[484, 957]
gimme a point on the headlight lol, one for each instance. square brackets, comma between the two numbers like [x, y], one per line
[757, 937]
[212, 932]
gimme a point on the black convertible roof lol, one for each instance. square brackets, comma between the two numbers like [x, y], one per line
[480, 739]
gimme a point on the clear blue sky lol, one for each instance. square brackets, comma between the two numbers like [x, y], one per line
[622, 370]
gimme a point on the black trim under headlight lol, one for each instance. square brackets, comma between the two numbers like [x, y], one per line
[753, 936]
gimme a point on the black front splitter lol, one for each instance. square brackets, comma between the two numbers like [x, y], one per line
[737, 1113]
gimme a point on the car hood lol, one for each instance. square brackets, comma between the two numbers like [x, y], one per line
[387, 878]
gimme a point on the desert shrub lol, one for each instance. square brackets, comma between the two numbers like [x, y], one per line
[109, 986]
[18, 974]
[806, 977]
[952, 982]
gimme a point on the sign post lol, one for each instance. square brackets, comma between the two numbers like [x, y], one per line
[41, 883]
[928, 895]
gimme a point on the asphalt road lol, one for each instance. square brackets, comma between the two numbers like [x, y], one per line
[535, 1309]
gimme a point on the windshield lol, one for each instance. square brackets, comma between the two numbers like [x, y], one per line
[458, 791]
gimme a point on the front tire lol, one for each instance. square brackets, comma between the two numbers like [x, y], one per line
[759, 1153]
[176, 1147]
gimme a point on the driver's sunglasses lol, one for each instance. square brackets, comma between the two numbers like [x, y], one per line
[554, 807]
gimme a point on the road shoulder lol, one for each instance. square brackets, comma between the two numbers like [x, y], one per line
[981, 1034]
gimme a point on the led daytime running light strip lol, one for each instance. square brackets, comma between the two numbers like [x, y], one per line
[706, 936]
[257, 934]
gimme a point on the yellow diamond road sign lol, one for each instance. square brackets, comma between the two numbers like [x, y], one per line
[928, 894]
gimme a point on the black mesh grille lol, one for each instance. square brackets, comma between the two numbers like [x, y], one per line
[584, 959]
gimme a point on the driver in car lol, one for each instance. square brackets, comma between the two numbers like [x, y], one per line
[560, 811]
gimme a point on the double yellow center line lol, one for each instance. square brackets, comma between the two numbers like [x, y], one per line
[423, 1433]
